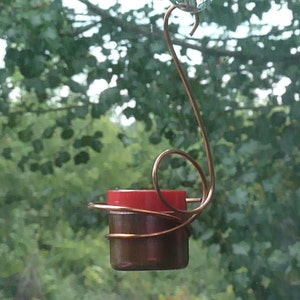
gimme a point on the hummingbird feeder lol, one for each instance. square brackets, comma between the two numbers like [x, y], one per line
[149, 229]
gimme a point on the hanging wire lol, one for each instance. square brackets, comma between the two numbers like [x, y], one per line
[187, 216]
[207, 191]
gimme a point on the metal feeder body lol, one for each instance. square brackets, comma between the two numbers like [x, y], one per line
[141, 230]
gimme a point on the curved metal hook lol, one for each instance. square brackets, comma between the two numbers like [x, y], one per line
[196, 24]
[207, 192]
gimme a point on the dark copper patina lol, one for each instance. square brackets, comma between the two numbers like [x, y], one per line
[167, 251]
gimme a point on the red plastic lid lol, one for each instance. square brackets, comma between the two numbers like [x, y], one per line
[147, 199]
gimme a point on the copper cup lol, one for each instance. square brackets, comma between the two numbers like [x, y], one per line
[139, 248]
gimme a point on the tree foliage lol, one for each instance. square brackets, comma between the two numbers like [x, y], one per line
[242, 65]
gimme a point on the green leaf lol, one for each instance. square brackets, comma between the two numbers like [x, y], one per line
[67, 133]
[81, 158]
[170, 135]
[22, 162]
[54, 79]
[177, 162]
[31, 64]
[126, 141]
[26, 134]
[81, 111]
[96, 110]
[50, 33]
[77, 144]
[241, 248]
[86, 140]
[34, 167]
[194, 153]
[36, 20]
[48, 132]
[62, 158]
[4, 107]
[96, 145]
[278, 118]
[76, 87]
[6, 153]
[109, 97]
[64, 121]
[47, 168]
[155, 138]
[98, 134]
[38, 145]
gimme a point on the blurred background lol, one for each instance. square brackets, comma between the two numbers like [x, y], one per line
[89, 97]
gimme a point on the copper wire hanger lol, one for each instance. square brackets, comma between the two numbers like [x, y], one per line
[207, 191]
[208, 188]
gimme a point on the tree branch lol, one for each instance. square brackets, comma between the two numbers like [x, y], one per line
[66, 108]
[157, 33]
[45, 111]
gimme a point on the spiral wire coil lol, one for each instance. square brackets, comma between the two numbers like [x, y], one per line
[182, 217]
